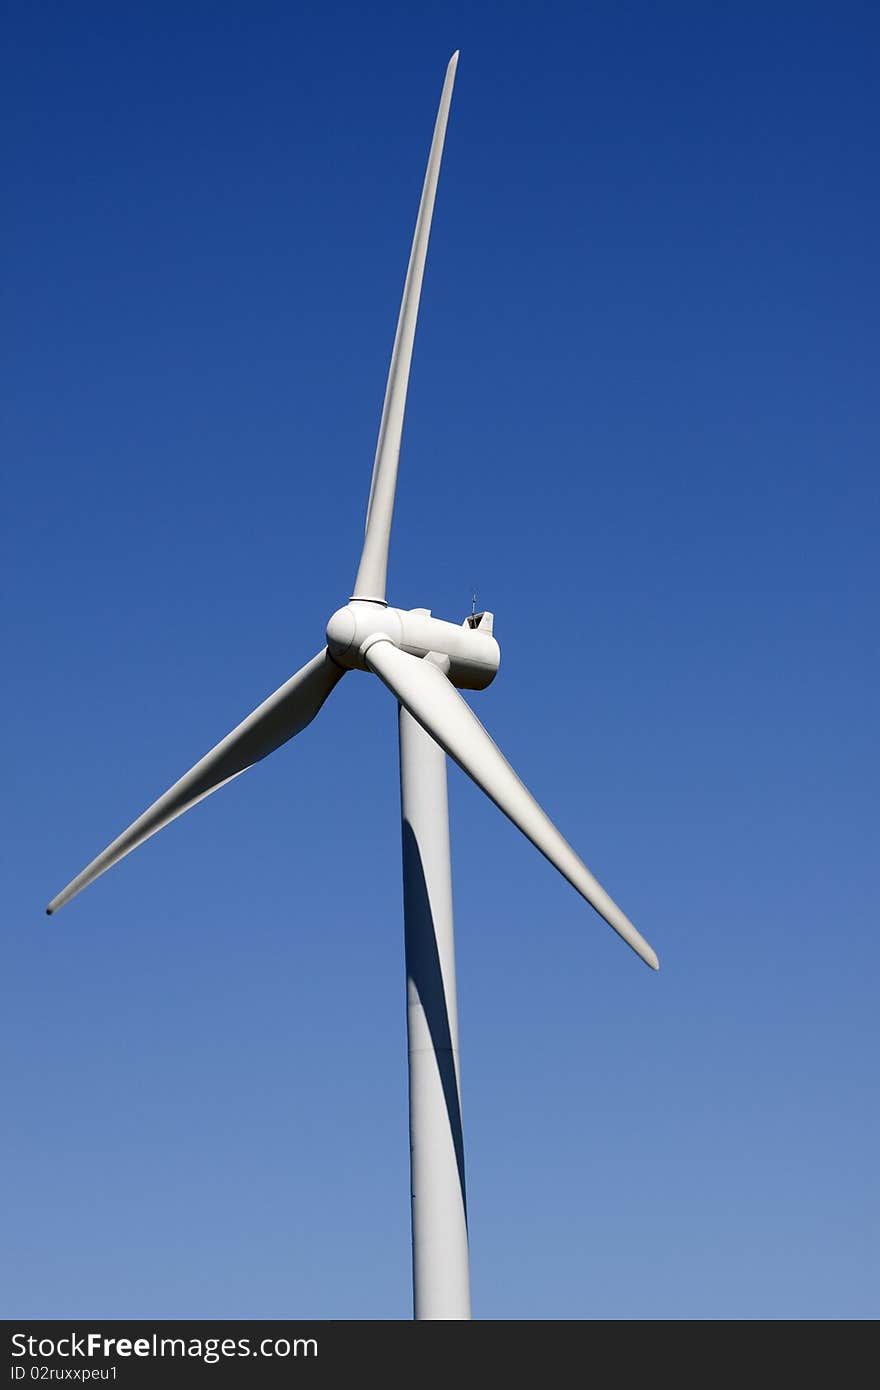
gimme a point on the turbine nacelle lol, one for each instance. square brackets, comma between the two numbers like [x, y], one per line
[468, 654]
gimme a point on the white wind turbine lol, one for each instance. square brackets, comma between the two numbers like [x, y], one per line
[421, 660]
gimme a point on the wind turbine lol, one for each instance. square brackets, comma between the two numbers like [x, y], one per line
[424, 662]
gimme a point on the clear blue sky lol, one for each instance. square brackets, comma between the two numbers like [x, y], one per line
[643, 422]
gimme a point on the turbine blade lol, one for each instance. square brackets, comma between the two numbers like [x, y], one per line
[422, 688]
[287, 712]
[371, 576]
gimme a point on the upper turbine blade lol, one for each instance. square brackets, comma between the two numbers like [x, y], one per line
[422, 688]
[287, 712]
[371, 576]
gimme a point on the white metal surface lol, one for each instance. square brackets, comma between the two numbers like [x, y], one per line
[441, 1285]
[373, 569]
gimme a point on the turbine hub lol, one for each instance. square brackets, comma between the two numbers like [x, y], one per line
[353, 626]
[341, 631]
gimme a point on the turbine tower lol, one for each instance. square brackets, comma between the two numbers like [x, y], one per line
[424, 662]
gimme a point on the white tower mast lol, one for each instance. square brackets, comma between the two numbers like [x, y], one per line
[441, 1278]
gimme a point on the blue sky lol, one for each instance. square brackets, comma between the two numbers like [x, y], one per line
[643, 423]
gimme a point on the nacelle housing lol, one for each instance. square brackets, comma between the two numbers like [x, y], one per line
[469, 654]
